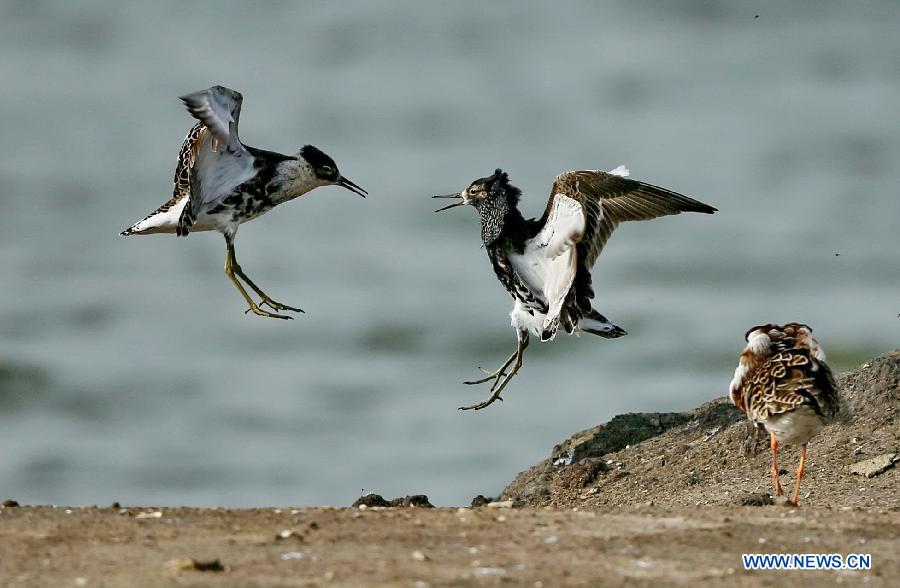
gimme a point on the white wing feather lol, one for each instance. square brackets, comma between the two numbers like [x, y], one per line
[621, 171]
[564, 228]
[548, 263]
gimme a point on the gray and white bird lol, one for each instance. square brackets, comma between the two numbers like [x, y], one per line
[545, 264]
[221, 183]
[783, 384]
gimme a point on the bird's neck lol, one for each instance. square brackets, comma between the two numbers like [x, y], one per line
[293, 178]
[499, 218]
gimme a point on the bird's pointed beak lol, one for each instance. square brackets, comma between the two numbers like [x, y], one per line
[454, 205]
[344, 182]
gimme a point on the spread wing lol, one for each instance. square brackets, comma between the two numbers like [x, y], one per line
[220, 161]
[605, 200]
[608, 199]
[219, 109]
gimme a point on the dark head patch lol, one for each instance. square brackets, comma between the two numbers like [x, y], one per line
[498, 184]
[324, 166]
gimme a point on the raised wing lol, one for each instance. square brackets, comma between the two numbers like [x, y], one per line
[219, 109]
[563, 227]
[220, 161]
[608, 199]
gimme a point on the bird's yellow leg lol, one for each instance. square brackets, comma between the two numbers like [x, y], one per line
[265, 298]
[499, 384]
[494, 375]
[231, 268]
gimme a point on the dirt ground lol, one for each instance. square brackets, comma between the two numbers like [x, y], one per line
[711, 456]
[646, 499]
[419, 547]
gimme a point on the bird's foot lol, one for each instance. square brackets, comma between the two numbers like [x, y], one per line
[500, 378]
[484, 403]
[259, 311]
[490, 376]
[279, 306]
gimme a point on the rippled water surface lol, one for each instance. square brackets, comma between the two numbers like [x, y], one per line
[129, 372]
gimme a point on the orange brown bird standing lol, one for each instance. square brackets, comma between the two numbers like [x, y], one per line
[783, 383]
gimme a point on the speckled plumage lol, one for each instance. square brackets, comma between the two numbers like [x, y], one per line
[782, 368]
[221, 183]
[783, 384]
[181, 182]
[545, 263]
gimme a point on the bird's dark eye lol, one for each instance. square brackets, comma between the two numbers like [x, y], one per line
[327, 170]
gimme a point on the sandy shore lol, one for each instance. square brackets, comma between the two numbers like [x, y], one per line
[648, 499]
[45, 546]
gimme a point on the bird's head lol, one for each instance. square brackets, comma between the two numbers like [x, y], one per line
[486, 192]
[494, 198]
[325, 169]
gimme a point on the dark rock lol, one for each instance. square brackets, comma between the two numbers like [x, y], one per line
[185, 564]
[719, 413]
[532, 486]
[621, 431]
[213, 565]
[371, 500]
[480, 501]
[416, 500]
[758, 499]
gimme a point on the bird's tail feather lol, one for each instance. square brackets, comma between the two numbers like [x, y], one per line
[596, 324]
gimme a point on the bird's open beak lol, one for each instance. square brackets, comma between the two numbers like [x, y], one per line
[454, 205]
[351, 186]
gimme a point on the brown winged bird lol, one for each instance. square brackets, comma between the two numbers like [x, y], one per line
[546, 264]
[783, 384]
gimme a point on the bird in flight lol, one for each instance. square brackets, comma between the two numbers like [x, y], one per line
[784, 385]
[545, 264]
[221, 182]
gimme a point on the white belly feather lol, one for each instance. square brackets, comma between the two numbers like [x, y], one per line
[795, 427]
[165, 221]
[548, 264]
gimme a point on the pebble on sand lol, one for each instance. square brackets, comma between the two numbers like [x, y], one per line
[875, 465]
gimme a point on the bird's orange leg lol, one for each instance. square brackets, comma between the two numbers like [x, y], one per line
[774, 443]
[800, 470]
